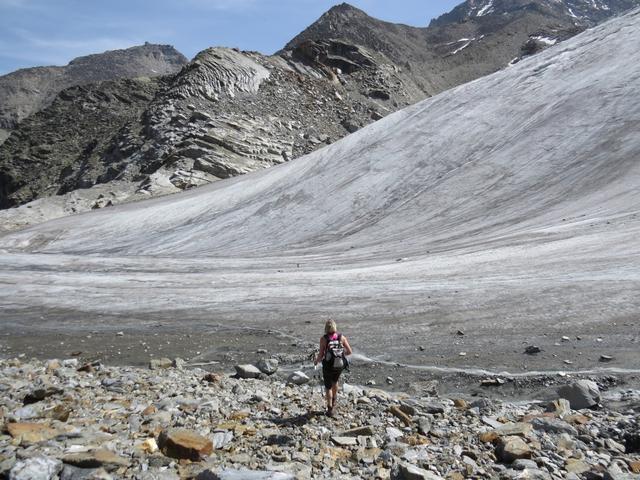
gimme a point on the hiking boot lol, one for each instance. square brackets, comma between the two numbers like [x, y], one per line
[330, 412]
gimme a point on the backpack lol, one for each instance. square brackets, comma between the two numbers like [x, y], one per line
[334, 354]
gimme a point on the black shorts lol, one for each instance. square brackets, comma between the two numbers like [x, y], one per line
[330, 376]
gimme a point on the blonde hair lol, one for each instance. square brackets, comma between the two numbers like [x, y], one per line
[330, 327]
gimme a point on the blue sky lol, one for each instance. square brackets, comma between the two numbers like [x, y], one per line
[52, 32]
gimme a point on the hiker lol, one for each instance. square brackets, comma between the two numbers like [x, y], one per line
[334, 348]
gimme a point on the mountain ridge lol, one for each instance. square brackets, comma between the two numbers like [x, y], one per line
[207, 123]
[28, 90]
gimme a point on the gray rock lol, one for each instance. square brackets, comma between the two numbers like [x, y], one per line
[247, 371]
[406, 471]
[581, 394]
[35, 468]
[268, 366]
[553, 425]
[222, 439]
[298, 378]
[424, 425]
[70, 472]
[160, 363]
[229, 474]
[524, 464]
[433, 407]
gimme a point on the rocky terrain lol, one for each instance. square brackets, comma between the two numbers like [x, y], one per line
[29, 90]
[229, 112]
[73, 420]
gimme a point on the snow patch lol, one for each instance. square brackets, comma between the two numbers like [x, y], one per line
[486, 9]
[545, 40]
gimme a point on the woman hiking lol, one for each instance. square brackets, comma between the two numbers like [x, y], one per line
[334, 348]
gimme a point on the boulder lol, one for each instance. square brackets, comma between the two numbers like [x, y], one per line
[36, 468]
[247, 371]
[268, 366]
[184, 444]
[510, 449]
[298, 378]
[580, 394]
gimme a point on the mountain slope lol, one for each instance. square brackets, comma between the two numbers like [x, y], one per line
[29, 90]
[511, 217]
[229, 112]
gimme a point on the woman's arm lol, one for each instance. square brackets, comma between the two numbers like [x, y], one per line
[347, 347]
[323, 347]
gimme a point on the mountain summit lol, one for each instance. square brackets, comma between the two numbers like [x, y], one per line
[28, 90]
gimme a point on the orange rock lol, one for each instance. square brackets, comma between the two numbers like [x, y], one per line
[404, 418]
[577, 419]
[489, 437]
[634, 466]
[150, 410]
[184, 444]
[28, 433]
[460, 404]
[238, 415]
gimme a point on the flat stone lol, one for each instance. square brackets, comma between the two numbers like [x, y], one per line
[577, 466]
[229, 474]
[345, 441]
[366, 431]
[38, 467]
[406, 471]
[553, 425]
[184, 444]
[96, 459]
[511, 429]
[524, 464]
[247, 371]
[28, 433]
[433, 408]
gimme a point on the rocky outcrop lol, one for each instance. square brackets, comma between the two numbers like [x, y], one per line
[29, 90]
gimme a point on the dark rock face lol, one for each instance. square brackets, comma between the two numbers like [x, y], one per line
[229, 112]
[72, 143]
[29, 90]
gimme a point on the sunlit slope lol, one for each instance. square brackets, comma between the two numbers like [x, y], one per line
[537, 149]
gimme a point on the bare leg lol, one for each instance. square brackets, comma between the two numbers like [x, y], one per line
[329, 396]
[334, 394]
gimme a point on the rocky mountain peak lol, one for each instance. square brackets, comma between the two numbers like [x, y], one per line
[581, 12]
[31, 89]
